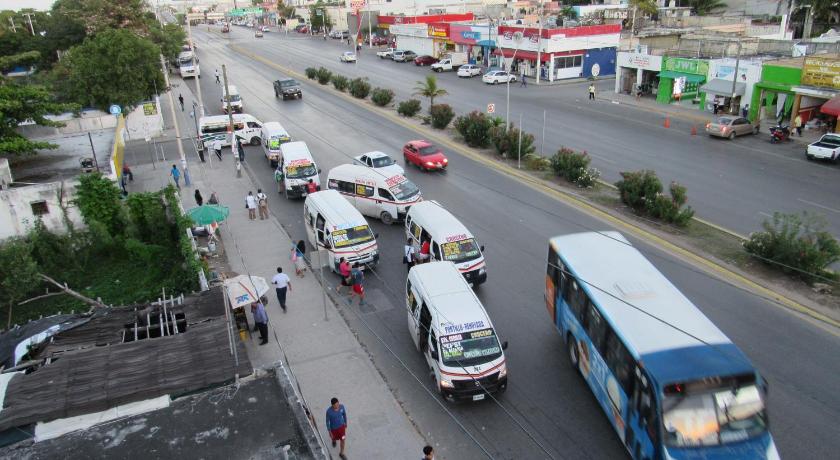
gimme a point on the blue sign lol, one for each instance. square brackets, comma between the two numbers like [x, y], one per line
[469, 35]
[115, 109]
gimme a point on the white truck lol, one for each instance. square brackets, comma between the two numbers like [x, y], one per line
[450, 61]
[387, 53]
[828, 147]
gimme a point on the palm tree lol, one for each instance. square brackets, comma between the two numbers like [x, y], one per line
[429, 89]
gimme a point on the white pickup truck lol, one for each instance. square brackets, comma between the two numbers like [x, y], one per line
[450, 62]
[387, 53]
[828, 147]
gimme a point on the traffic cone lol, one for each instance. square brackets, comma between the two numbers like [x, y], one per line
[693, 130]
[667, 123]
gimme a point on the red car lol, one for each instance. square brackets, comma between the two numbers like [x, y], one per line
[424, 60]
[424, 155]
[379, 41]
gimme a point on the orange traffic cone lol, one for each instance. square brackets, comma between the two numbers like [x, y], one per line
[693, 130]
[667, 123]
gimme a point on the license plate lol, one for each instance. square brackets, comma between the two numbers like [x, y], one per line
[478, 397]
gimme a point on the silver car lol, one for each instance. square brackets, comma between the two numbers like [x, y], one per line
[729, 127]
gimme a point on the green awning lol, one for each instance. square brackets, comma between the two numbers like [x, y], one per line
[689, 77]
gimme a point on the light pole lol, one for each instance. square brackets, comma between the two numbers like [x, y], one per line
[197, 83]
[539, 45]
[518, 40]
[175, 123]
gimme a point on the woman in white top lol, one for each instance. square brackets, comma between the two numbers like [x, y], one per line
[251, 205]
[408, 255]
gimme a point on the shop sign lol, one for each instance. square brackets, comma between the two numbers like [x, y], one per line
[640, 61]
[470, 35]
[438, 31]
[824, 72]
[692, 66]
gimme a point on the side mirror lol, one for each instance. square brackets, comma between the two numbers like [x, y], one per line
[434, 354]
[482, 248]
[504, 345]
[376, 235]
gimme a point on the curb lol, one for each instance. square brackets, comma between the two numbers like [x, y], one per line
[574, 201]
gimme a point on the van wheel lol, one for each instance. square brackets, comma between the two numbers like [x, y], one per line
[386, 218]
[732, 135]
[573, 352]
[255, 141]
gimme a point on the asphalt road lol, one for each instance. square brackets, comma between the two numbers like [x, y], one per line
[736, 184]
[547, 412]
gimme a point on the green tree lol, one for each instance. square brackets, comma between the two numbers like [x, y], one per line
[19, 103]
[18, 273]
[100, 15]
[429, 88]
[704, 7]
[644, 6]
[113, 67]
[318, 16]
[169, 37]
[285, 11]
[99, 200]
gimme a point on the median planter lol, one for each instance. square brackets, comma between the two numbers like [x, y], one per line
[324, 75]
[359, 88]
[408, 108]
[574, 167]
[475, 128]
[382, 96]
[642, 191]
[340, 82]
[440, 115]
[311, 73]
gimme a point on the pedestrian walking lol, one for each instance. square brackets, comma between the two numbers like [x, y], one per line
[592, 91]
[240, 149]
[797, 123]
[181, 100]
[260, 321]
[715, 108]
[428, 453]
[218, 81]
[251, 205]
[337, 424]
[213, 199]
[199, 200]
[522, 81]
[278, 177]
[311, 187]
[357, 276]
[176, 176]
[217, 148]
[282, 284]
[201, 152]
[745, 110]
[408, 255]
[298, 253]
[262, 203]
[345, 272]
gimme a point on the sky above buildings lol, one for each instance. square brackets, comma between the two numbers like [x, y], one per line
[20, 4]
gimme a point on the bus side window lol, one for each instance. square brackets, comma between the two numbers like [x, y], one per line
[596, 327]
[620, 361]
[577, 302]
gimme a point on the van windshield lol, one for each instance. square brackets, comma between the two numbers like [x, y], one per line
[469, 348]
[300, 171]
[233, 98]
[352, 236]
[460, 251]
[404, 190]
[276, 140]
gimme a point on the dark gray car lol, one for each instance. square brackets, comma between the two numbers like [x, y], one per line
[287, 88]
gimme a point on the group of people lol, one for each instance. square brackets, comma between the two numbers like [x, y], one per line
[352, 277]
[255, 202]
[413, 255]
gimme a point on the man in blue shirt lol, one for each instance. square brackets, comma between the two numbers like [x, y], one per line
[337, 424]
[261, 320]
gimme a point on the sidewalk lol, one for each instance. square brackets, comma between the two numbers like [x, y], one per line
[324, 355]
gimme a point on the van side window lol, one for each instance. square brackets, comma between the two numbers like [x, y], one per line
[252, 124]
[385, 195]
[319, 225]
[436, 250]
[416, 230]
[345, 187]
[433, 340]
[409, 295]
[364, 190]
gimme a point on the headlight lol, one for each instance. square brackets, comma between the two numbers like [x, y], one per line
[503, 371]
[429, 163]
[445, 160]
[482, 271]
[445, 383]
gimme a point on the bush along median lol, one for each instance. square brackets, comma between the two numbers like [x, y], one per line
[574, 167]
[323, 75]
[408, 108]
[642, 191]
[441, 115]
[381, 96]
[475, 128]
[340, 82]
[311, 73]
[359, 88]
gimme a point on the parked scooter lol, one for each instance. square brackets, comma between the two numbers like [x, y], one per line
[779, 133]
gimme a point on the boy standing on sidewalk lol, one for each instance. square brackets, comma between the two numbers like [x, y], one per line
[337, 424]
[251, 205]
[281, 283]
[262, 202]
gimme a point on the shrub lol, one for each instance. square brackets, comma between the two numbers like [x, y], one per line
[537, 163]
[359, 88]
[796, 244]
[382, 96]
[642, 191]
[441, 115]
[311, 73]
[507, 143]
[409, 108]
[475, 128]
[574, 167]
[340, 82]
[324, 75]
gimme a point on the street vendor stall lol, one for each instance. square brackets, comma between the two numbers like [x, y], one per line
[242, 291]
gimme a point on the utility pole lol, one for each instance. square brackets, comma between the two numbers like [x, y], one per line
[197, 83]
[175, 122]
[12, 22]
[29, 18]
[539, 44]
[732, 107]
[231, 126]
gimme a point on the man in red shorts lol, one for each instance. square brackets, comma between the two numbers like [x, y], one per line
[337, 424]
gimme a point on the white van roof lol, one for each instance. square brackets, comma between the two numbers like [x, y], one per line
[337, 210]
[451, 296]
[439, 222]
[215, 119]
[232, 90]
[296, 151]
[363, 172]
[272, 127]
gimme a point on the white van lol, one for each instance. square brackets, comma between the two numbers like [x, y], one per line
[235, 100]
[298, 168]
[449, 239]
[215, 127]
[273, 136]
[336, 226]
[188, 65]
[374, 193]
[451, 328]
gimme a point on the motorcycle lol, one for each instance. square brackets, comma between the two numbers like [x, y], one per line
[779, 133]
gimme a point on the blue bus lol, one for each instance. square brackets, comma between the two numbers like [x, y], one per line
[671, 383]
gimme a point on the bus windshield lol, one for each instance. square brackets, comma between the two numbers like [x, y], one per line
[300, 171]
[404, 190]
[469, 348]
[352, 236]
[460, 251]
[713, 418]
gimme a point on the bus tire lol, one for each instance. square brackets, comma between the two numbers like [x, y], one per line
[571, 344]
[386, 218]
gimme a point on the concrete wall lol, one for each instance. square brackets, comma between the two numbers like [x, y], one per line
[145, 121]
[93, 120]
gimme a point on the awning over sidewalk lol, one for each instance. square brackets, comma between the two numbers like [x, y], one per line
[689, 77]
[832, 107]
[723, 87]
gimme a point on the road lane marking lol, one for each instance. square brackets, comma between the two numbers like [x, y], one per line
[708, 265]
[819, 205]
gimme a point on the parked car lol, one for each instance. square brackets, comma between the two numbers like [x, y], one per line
[303, 30]
[381, 162]
[404, 55]
[266, 29]
[424, 60]
[828, 147]
[387, 53]
[287, 88]
[469, 71]
[258, 34]
[379, 41]
[495, 77]
[424, 155]
[347, 56]
[729, 127]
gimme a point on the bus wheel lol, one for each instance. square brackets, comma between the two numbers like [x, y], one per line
[386, 218]
[573, 352]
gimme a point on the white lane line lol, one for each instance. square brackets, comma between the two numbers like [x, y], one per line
[819, 205]
[765, 214]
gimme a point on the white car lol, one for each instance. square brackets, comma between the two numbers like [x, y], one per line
[469, 70]
[348, 56]
[495, 77]
[265, 28]
[387, 53]
[380, 162]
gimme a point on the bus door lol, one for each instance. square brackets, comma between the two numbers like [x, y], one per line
[641, 429]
